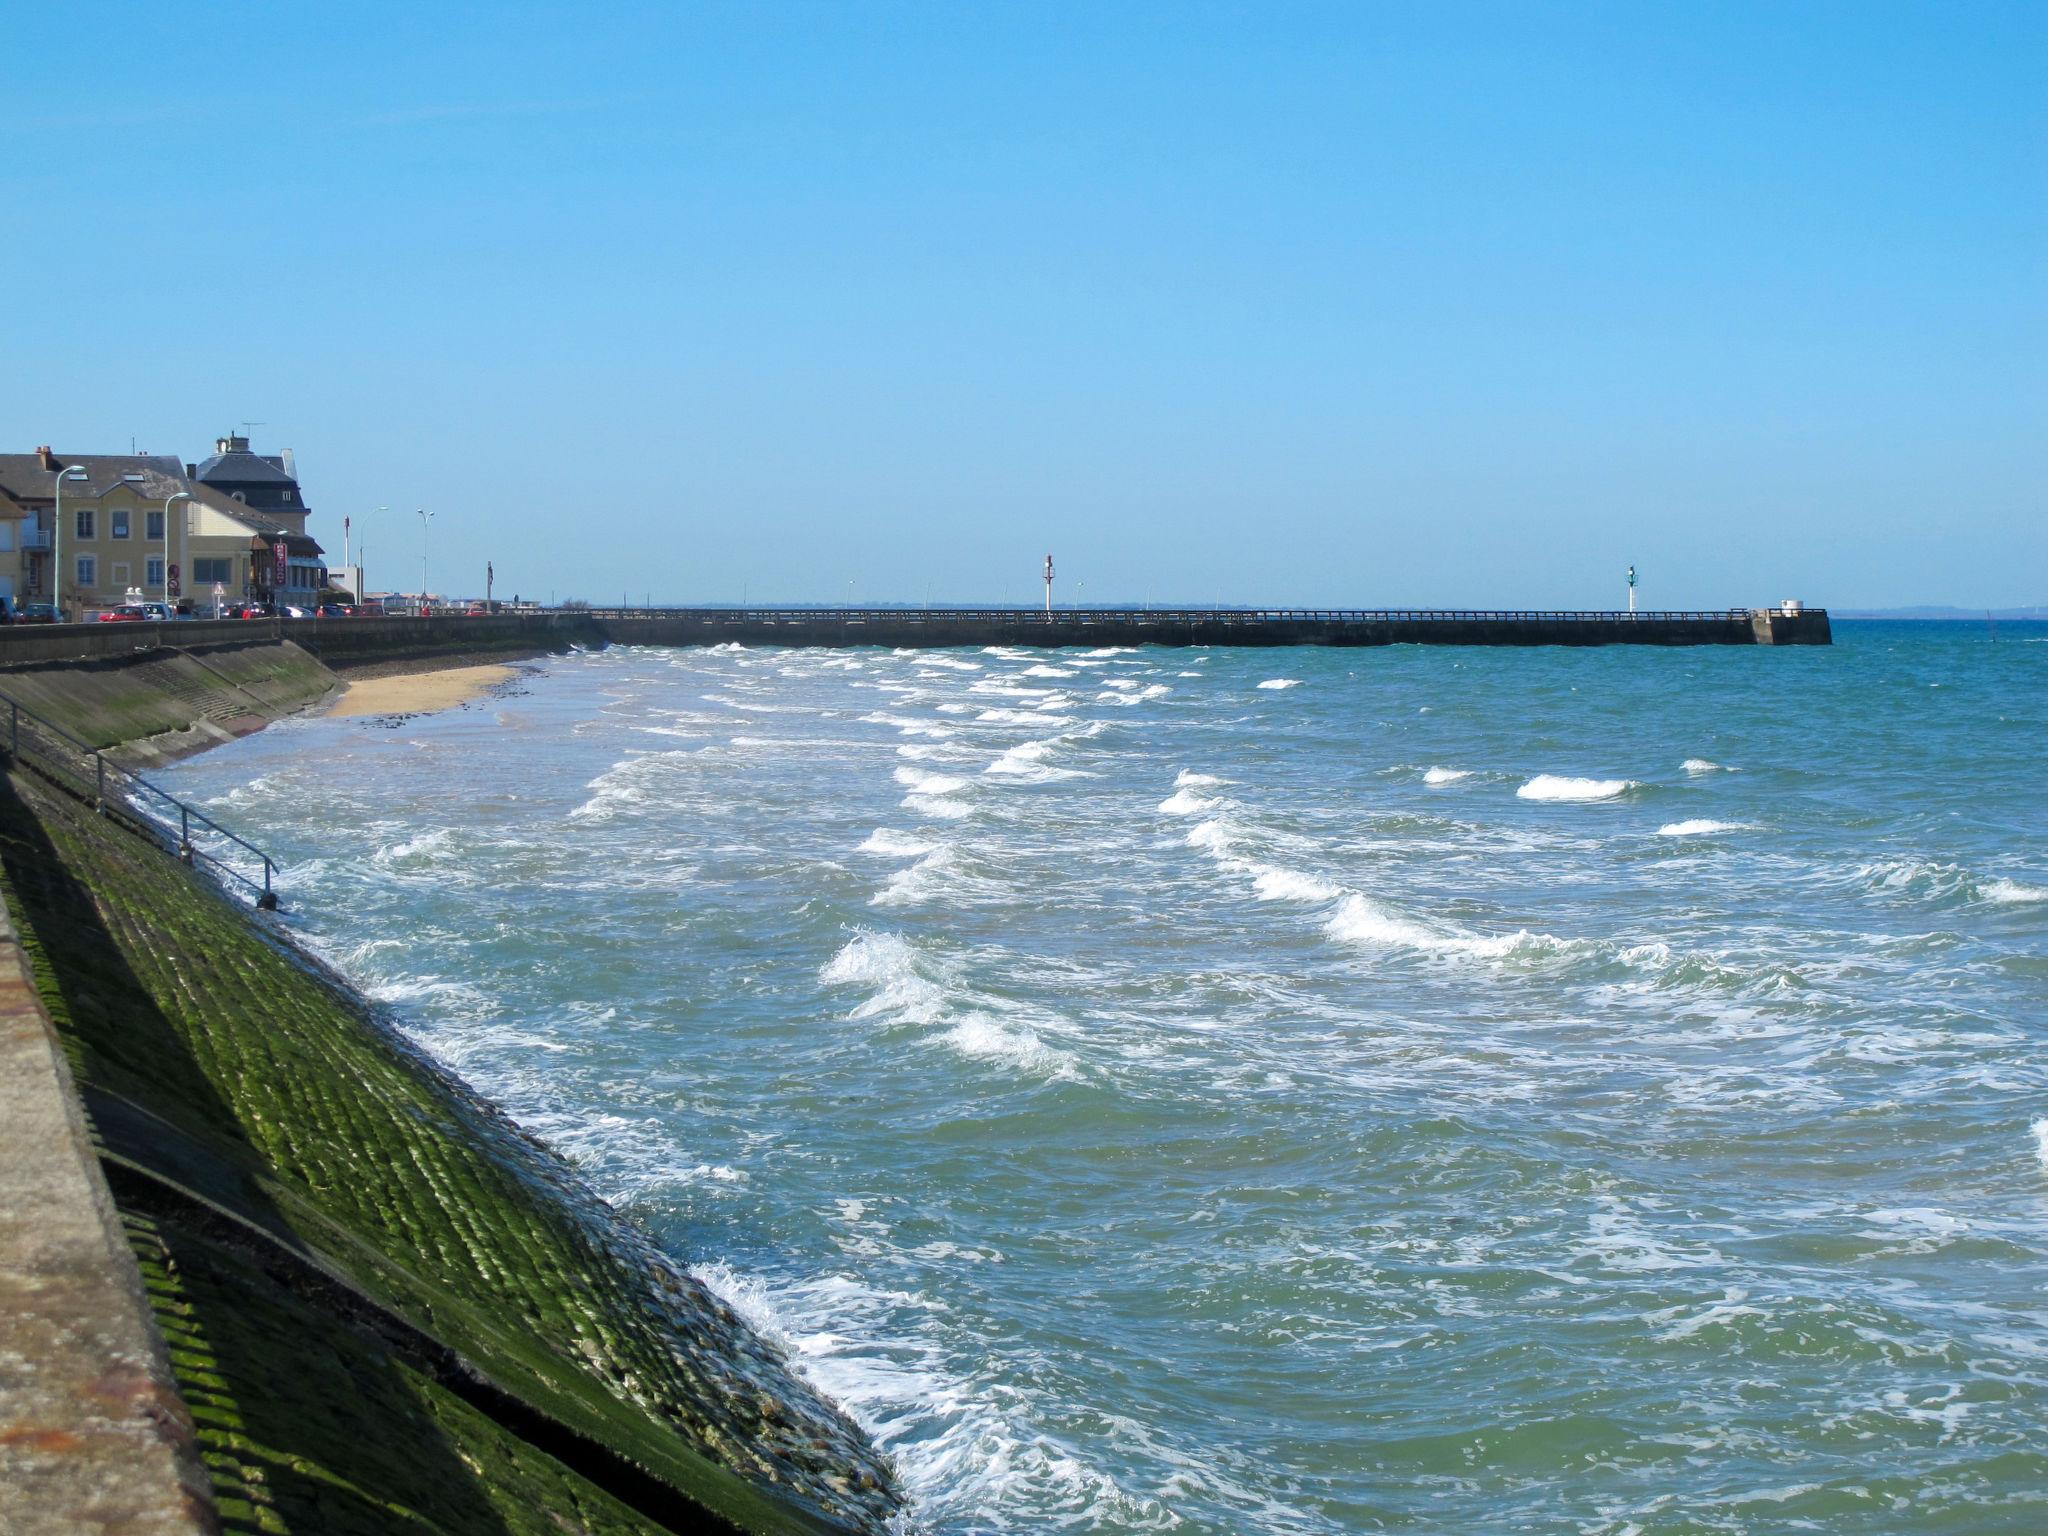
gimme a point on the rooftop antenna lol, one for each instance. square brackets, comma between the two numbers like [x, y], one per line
[248, 424]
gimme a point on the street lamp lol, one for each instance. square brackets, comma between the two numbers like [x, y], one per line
[76, 472]
[169, 501]
[426, 518]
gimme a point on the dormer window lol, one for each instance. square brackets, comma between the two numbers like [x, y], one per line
[240, 497]
[287, 495]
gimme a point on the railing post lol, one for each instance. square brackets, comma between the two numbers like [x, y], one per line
[185, 832]
[267, 902]
[99, 782]
[13, 729]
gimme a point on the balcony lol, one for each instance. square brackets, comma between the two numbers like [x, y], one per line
[35, 538]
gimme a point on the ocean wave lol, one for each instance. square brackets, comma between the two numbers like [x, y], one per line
[1701, 827]
[895, 845]
[1273, 882]
[1445, 775]
[1187, 780]
[1042, 670]
[1554, 786]
[1936, 880]
[908, 988]
[626, 784]
[2040, 1133]
[1697, 766]
[1026, 763]
[911, 1374]
[1135, 695]
[1185, 802]
[1361, 920]
[2004, 892]
[1277, 683]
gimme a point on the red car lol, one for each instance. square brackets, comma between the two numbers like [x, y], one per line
[127, 613]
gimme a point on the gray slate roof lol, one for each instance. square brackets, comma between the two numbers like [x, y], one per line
[23, 477]
[243, 468]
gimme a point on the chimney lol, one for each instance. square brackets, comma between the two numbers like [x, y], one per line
[46, 459]
[291, 466]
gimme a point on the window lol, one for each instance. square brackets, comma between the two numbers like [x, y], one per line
[153, 524]
[84, 525]
[210, 571]
[287, 497]
[87, 571]
[153, 571]
[117, 520]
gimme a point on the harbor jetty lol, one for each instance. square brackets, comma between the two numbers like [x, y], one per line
[354, 644]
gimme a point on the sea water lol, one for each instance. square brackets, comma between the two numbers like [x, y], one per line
[1276, 1091]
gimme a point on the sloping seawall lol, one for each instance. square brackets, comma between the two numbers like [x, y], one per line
[385, 1306]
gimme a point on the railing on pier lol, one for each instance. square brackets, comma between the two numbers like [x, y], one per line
[154, 812]
[1179, 615]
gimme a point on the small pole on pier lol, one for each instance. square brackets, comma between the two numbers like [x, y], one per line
[1631, 589]
[1048, 586]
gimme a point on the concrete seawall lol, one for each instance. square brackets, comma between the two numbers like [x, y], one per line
[909, 627]
[348, 645]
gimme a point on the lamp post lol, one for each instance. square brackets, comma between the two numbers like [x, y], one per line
[426, 518]
[76, 472]
[169, 502]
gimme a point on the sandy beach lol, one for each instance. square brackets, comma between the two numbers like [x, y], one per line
[418, 693]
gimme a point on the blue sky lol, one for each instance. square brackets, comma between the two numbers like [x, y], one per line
[1432, 304]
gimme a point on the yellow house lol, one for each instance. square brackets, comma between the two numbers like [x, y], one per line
[109, 536]
[106, 535]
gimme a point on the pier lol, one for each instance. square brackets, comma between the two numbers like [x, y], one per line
[357, 642]
[920, 627]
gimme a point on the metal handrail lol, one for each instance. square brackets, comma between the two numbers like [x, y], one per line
[31, 738]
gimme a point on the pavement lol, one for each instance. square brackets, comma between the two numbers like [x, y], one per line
[93, 1435]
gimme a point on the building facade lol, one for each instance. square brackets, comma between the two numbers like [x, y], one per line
[111, 533]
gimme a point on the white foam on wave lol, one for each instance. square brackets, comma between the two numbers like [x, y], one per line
[1556, 786]
[1026, 763]
[1187, 780]
[1134, 695]
[954, 663]
[891, 844]
[1700, 827]
[908, 988]
[1042, 670]
[2004, 892]
[2040, 1130]
[1277, 683]
[964, 1446]
[1185, 802]
[626, 784]
[1446, 775]
[932, 793]
[1272, 882]
[1696, 766]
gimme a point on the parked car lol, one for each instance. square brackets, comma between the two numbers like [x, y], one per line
[127, 613]
[163, 613]
[294, 611]
[255, 611]
[476, 611]
[38, 613]
[373, 609]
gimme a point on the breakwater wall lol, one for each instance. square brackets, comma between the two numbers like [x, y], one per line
[935, 627]
[350, 645]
